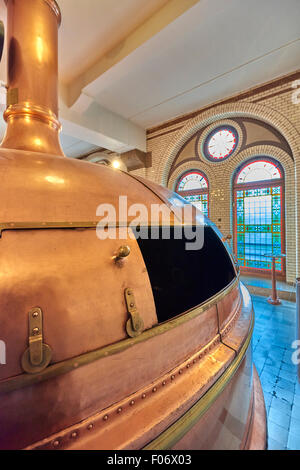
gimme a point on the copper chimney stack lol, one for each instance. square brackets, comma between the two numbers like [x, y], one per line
[32, 98]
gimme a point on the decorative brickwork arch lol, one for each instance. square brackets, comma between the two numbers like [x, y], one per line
[227, 111]
[220, 192]
[220, 204]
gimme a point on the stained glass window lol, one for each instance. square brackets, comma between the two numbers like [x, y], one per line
[259, 215]
[193, 186]
[221, 143]
[259, 171]
[192, 180]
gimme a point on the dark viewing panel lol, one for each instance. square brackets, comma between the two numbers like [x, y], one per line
[182, 279]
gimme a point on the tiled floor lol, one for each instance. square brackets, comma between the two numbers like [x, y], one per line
[275, 331]
[263, 286]
[266, 282]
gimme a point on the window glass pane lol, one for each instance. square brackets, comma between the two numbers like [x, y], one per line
[192, 180]
[200, 201]
[258, 217]
[187, 187]
[258, 171]
[220, 143]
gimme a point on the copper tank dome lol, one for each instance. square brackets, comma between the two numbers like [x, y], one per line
[98, 337]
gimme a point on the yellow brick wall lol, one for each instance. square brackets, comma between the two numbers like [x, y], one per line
[275, 105]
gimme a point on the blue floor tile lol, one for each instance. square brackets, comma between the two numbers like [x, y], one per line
[279, 417]
[293, 442]
[278, 433]
[274, 445]
[274, 333]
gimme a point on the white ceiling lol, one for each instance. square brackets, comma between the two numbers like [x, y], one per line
[129, 65]
[91, 28]
[75, 147]
[214, 50]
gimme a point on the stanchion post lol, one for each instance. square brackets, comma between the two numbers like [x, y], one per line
[273, 299]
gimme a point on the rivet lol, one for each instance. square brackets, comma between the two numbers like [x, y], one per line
[132, 402]
[105, 418]
[194, 361]
[55, 443]
[154, 389]
[172, 377]
[35, 330]
[90, 426]
[180, 372]
[74, 434]
[132, 304]
[35, 314]
[119, 410]
[144, 395]
[164, 383]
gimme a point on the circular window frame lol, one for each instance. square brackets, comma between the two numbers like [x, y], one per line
[210, 130]
[210, 136]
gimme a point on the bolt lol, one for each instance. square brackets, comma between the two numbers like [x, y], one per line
[35, 314]
[35, 331]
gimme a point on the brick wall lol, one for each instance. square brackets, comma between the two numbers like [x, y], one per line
[273, 104]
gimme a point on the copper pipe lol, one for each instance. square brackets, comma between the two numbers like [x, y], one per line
[32, 97]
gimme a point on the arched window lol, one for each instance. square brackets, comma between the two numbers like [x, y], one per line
[193, 186]
[259, 215]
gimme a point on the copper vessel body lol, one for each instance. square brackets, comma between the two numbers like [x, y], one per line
[184, 383]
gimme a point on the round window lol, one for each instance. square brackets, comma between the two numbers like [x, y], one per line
[220, 143]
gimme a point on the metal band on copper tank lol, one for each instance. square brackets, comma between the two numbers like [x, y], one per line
[174, 433]
[55, 225]
[37, 112]
[54, 6]
[68, 365]
[177, 431]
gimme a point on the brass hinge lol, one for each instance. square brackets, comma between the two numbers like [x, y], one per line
[37, 357]
[135, 324]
